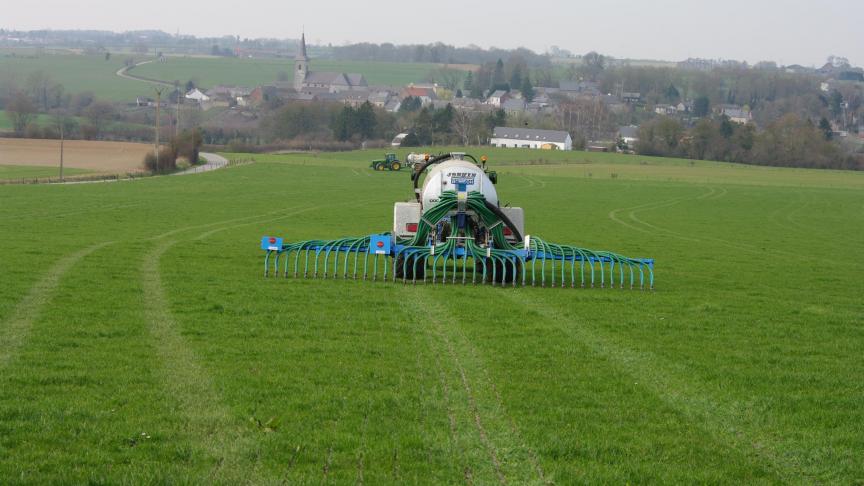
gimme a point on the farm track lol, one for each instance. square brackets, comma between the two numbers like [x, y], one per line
[16, 330]
[210, 420]
[511, 458]
[652, 229]
[720, 418]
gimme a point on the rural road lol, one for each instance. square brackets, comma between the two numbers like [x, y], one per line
[214, 161]
[124, 73]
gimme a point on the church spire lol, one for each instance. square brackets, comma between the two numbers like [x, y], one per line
[301, 54]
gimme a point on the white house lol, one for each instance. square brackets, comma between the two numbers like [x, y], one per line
[197, 95]
[531, 138]
[497, 98]
[629, 134]
[738, 116]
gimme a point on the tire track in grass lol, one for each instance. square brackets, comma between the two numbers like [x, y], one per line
[613, 215]
[706, 239]
[709, 413]
[210, 420]
[15, 331]
[533, 457]
[487, 413]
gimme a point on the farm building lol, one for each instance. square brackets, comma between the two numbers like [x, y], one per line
[197, 96]
[531, 138]
[629, 134]
[314, 82]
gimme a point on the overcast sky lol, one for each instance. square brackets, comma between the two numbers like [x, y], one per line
[785, 31]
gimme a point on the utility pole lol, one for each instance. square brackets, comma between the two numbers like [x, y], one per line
[158, 105]
[62, 122]
[177, 118]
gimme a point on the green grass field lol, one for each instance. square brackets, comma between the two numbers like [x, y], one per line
[139, 342]
[77, 73]
[254, 72]
[34, 171]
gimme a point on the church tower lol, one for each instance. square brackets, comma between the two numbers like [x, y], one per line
[301, 65]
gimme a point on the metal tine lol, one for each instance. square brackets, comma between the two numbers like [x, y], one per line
[267, 262]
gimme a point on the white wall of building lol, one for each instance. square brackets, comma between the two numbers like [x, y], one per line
[533, 144]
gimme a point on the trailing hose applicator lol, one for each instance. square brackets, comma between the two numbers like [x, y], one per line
[455, 231]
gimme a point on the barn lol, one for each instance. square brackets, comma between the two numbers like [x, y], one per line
[531, 138]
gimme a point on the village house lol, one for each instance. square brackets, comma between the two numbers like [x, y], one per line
[531, 138]
[629, 135]
[665, 109]
[513, 106]
[738, 115]
[197, 96]
[497, 98]
[427, 95]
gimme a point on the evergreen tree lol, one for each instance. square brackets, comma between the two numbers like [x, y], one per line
[825, 126]
[527, 88]
[468, 82]
[498, 75]
[423, 127]
[516, 77]
[366, 121]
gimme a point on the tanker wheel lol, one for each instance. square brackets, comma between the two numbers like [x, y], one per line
[395, 166]
[408, 272]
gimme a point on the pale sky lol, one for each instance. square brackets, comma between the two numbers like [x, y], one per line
[784, 31]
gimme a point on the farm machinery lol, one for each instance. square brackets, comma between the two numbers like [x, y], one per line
[389, 162]
[455, 230]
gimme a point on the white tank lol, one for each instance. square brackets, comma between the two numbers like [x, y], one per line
[444, 177]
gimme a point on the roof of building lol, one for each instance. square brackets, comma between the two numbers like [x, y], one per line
[530, 134]
[631, 131]
[513, 104]
[418, 92]
[577, 86]
[498, 93]
[335, 79]
[736, 113]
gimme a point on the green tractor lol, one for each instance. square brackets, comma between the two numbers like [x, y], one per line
[389, 162]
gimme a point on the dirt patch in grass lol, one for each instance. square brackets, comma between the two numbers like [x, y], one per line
[108, 157]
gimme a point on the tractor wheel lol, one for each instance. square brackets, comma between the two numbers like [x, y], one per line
[379, 166]
[504, 271]
[395, 166]
[407, 272]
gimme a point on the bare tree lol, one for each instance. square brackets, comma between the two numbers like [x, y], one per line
[21, 111]
[39, 83]
[98, 114]
[462, 125]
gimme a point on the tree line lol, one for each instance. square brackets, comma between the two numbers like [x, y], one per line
[790, 141]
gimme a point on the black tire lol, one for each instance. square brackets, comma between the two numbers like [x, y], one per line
[504, 273]
[395, 166]
[408, 272]
[379, 166]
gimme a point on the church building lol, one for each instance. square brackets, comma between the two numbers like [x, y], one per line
[314, 82]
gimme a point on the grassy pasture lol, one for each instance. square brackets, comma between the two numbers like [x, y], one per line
[34, 171]
[139, 342]
[76, 72]
[79, 72]
[254, 72]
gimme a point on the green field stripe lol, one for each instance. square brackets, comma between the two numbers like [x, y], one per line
[717, 416]
[16, 329]
[511, 458]
[209, 421]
